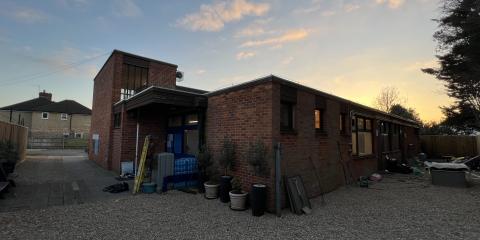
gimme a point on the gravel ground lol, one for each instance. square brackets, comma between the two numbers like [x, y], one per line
[399, 207]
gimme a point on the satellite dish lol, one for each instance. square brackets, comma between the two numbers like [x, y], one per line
[179, 76]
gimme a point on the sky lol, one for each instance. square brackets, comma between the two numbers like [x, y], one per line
[349, 48]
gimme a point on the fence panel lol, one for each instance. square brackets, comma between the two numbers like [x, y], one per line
[438, 145]
[16, 134]
[57, 143]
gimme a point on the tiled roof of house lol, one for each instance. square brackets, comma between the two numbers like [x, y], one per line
[29, 105]
[65, 106]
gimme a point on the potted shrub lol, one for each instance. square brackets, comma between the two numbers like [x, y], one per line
[9, 155]
[257, 159]
[238, 198]
[204, 158]
[211, 188]
[226, 161]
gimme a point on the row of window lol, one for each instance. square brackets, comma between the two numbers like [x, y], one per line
[287, 118]
[362, 129]
[63, 116]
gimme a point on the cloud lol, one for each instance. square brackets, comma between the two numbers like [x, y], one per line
[27, 15]
[213, 17]
[256, 28]
[328, 13]
[245, 55]
[289, 36]
[350, 7]
[287, 60]
[200, 71]
[126, 8]
[393, 4]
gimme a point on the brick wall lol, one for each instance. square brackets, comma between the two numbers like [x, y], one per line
[102, 117]
[244, 116]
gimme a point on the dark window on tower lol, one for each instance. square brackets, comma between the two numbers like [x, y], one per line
[134, 79]
[117, 120]
[287, 115]
[342, 123]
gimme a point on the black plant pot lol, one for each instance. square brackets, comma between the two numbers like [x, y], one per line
[258, 199]
[225, 188]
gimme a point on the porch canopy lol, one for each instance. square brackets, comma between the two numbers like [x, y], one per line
[165, 96]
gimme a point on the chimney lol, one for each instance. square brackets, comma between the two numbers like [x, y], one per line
[45, 95]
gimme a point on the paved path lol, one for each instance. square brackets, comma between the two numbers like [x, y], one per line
[57, 177]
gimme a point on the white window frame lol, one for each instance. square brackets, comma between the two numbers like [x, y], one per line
[63, 114]
[44, 117]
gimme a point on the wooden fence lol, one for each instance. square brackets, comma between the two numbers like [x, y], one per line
[16, 134]
[458, 146]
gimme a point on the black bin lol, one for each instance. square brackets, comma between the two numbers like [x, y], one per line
[225, 187]
[258, 199]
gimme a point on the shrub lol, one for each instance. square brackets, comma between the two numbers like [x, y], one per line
[257, 157]
[227, 155]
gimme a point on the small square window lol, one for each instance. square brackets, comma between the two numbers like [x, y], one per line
[319, 115]
[44, 115]
[63, 116]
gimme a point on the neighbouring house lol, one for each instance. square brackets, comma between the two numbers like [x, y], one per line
[48, 119]
[136, 96]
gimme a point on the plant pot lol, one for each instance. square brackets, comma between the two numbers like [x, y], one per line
[211, 190]
[225, 187]
[238, 200]
[258, 198]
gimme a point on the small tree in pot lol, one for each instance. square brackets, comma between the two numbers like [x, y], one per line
[226, 161]
[212, 185]
[205, 162]
[257, 158]
[238, 198]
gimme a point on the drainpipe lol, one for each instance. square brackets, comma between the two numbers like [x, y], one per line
[11, 113]
[136, 145]
[278, 178]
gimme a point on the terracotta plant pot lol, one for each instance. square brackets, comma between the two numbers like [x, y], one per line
[238, 200]
[211, 190]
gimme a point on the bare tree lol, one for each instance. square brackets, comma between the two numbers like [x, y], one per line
[387, 97]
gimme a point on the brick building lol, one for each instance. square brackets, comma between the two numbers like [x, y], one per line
[135, 96]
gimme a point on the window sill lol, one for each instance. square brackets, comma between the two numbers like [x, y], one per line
[288, 132]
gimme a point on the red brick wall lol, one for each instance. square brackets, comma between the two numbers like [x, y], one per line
[103, 99]
[244, 115]
[162, 75]
[305, 149]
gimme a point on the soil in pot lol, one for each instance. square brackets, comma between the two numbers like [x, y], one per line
[238, 200]
[225, 187]
[211, 190]
[258, 199]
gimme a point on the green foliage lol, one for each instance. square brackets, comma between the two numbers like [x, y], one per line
[458, 40]
[205, 164]
[408, 113]
[257, 157]
[8, 152]
[227, 155]
[433, 128]
[236, 184]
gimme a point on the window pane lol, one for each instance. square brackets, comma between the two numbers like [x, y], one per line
[190, 142]
[360, 123]
[286, 116]
[354, 143]
[354, 124]
[364, 143]
[318, 119]
[341, 123]
[368, 124]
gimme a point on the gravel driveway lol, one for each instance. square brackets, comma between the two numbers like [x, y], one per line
[400, 207]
